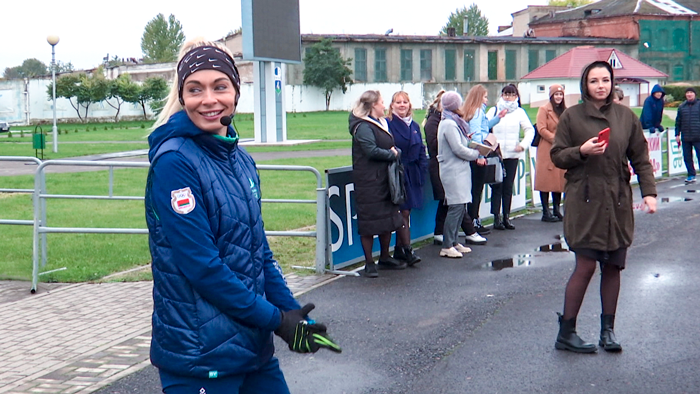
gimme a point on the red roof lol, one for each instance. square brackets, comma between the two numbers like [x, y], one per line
[571, 64]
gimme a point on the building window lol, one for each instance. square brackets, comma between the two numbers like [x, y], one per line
[533, 59]
[450, 64]
[469, 65]
[510, 64]
[663, 39]
[614, 60]
[493, 65]
[678, 72]
[360, 65]
[679, 40]
[550, 54]
[380, 65]
[406, 65]
[426, 64]
[540, 88]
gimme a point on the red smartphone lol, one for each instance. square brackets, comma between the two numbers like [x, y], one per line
[604, 135]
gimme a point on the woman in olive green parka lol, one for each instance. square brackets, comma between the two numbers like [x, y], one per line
[599, 220]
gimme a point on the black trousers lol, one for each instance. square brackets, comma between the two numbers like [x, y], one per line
[478, 178]
[441, 214]
[503, 192]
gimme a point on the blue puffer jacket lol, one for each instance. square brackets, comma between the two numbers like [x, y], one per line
[653, 110]
[217, 290]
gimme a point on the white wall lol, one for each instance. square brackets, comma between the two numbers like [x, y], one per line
[530, 95]
[13, 105]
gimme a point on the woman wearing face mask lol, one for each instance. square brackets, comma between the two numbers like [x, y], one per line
[373, 148]
[599, 220]
[548, 178]
[218, 293]
[474, 110]
[507, 133]
[409, 141]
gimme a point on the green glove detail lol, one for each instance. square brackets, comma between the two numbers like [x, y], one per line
[302, 336]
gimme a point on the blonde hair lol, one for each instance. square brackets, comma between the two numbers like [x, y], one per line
[473, 101]
[397, 95]
[172, 105]
[363, 105]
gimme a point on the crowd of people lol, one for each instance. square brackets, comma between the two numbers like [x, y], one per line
[575, 158]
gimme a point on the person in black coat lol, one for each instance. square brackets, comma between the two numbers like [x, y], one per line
[409, 141]
[372, 151]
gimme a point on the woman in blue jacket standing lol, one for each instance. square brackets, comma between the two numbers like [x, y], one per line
[218, 293]
[408, 139]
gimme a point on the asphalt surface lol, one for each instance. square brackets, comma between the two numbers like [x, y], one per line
[472, 326]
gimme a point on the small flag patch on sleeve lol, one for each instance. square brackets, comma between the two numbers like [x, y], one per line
[182, 201]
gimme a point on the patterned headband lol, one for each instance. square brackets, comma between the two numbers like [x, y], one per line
[207, 58]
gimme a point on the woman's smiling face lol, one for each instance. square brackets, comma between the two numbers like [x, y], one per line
[208, 95]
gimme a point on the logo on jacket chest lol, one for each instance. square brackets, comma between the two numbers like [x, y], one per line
[253, 188]
[182, 201]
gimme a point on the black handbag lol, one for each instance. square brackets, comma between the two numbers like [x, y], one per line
[536, 140]
[494, 172]
[396, 182]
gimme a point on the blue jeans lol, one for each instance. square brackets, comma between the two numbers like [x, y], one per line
[688, 155]
[268, 379]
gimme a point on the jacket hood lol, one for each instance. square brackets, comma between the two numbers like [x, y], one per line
[354, 121]
[658, 88]
[584, 78]
[179, 125]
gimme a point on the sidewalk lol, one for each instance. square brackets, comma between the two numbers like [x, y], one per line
[81, 337]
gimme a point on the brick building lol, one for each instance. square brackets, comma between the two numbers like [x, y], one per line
[667, 31]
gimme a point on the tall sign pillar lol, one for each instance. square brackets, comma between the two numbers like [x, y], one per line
[271, 37]
[270, 113]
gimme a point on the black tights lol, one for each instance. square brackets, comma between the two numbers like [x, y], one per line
[403, 235]
[367, 242]
[556, 199]
[578, 283]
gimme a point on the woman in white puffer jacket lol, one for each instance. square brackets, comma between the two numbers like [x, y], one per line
[513, 148]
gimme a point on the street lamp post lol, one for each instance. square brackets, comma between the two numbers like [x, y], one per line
[53, 40]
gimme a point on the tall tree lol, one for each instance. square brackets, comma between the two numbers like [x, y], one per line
[152, 93]
[119, 90]
[63, 67]
[326, 69]
[29, 68]
[570, 3]
[67, 87]
[162, 39]
[478, 25]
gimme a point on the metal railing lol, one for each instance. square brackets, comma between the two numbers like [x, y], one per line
[41, 195]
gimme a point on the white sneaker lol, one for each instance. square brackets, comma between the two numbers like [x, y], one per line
[475, 239]
[437, 239]
[462, 249]
[450, 252]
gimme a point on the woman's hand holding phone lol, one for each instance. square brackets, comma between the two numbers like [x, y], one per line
[593, 147]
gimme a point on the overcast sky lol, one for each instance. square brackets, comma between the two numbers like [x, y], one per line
[90, 30]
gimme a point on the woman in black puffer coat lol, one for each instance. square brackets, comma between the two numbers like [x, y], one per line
[372, 151]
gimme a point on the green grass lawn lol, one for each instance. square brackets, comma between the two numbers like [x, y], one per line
[92, 256]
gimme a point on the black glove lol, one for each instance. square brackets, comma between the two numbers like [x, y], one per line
[303, 336]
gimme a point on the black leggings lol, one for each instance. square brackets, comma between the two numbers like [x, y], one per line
[478, 178]
[504, 191]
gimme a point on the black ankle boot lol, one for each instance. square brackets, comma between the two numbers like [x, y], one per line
[507, 224]
[547, 215]
[391, 263]
[399, 253]
[557, 213]
[607, 335]
[567, 339]
[411, 257]
[498, 222]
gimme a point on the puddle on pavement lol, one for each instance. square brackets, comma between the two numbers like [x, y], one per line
[527, 259]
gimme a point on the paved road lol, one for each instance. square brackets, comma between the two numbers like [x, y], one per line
[478, 326]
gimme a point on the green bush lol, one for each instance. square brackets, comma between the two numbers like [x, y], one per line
[678, 91]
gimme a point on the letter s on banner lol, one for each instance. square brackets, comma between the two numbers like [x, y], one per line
[335, 219]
